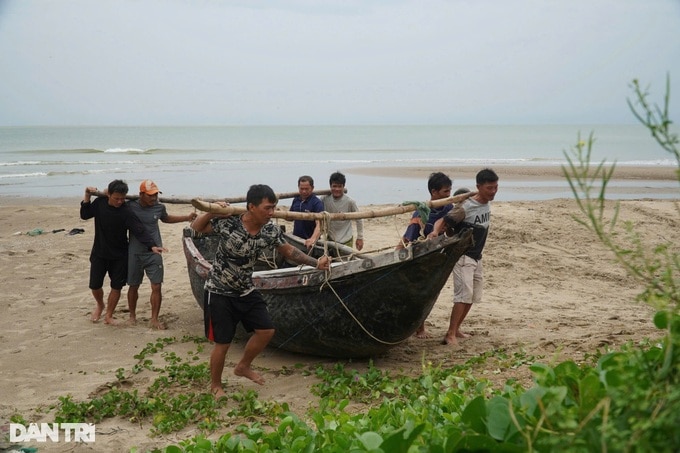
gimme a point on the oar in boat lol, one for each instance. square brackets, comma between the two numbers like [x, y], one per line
[208, 206]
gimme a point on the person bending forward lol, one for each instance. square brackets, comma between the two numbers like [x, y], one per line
[230, 296]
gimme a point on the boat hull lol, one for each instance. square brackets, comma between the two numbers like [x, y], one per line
[361, 309]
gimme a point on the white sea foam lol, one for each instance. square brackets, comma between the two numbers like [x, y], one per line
[24, 175]
[126, 150]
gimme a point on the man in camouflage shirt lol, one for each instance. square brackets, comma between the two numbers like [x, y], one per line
[230, 296]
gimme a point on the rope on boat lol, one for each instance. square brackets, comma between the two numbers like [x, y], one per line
[355, 318]
[340, 301]
[325, 225]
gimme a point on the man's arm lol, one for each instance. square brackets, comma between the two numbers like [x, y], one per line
[309, 242]
[201, 224]
[179, 218]
[86, 211]
[359, 225]
[316, 207]
[455, 215]
[297, 256]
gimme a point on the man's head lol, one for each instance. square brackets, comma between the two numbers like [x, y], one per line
[305, 186]
[337, 182]
[439, 186]
[148, 193]
[259, 194]
[117, 191]
[487, 185]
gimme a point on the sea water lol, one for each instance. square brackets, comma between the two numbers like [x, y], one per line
[214, 162]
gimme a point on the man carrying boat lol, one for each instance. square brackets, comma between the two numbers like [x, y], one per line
[230, 296]
[140, 261]
[439, 186]
[306, 201]
[468, 274]
[338, 201]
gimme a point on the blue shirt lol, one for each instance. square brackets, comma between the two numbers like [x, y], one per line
[413, 230]
[305, 228]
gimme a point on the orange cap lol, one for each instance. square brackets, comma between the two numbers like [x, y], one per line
[149, 187]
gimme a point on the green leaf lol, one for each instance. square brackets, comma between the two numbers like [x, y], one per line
[474, 415]
[661, 319]
[400, 441]
[499, 422]
[370, 440]
[591, 391]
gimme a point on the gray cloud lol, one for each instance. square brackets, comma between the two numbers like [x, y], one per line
[306, 62]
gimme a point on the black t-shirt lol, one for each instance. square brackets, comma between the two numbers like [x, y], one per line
[111, 226]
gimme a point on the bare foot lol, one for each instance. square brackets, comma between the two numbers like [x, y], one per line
[131, 322]
[218, 393]
[462, 335]
[422, 334]
[97, 313]
[110, 321]
[157, 325]
[449, 339]
[241, 370]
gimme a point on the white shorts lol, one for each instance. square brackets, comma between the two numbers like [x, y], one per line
[468, 279]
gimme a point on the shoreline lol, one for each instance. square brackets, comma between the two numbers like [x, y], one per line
[519, 182]
[521, 172]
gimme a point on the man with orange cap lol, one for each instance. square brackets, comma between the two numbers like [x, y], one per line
[140, 260]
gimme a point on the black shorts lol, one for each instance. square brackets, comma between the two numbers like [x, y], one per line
[117, 270]
[139, 263]
[221, 315]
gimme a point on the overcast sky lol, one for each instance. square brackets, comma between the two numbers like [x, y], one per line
[209, 62]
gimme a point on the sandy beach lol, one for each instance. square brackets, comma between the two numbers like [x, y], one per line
[552, 291]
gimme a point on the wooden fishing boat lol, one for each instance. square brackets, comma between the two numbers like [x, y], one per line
[365, 305]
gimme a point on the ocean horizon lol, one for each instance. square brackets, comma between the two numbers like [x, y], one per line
[223, 161]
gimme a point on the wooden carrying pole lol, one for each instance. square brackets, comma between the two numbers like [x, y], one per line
[228, 200]
[214, 208]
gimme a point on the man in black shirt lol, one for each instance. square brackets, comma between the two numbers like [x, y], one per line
[112, 221]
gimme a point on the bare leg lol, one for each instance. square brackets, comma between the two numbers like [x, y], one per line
[460, 333]
[132, 297]
[217, 358]
[98, 295]
[114, 297]
[156, 298]
[421, 332]
[256, 344]
[458, 314]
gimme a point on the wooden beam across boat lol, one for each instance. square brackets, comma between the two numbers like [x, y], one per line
[242, 199]
[208, 206]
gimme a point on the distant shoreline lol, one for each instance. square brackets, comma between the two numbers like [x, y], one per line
[519, 172]
[533, 181]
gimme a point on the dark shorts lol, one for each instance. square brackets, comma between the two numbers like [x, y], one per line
[221, 315]
[117, 270]
[138, 263]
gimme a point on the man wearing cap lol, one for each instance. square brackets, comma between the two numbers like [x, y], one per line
[140, 260]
